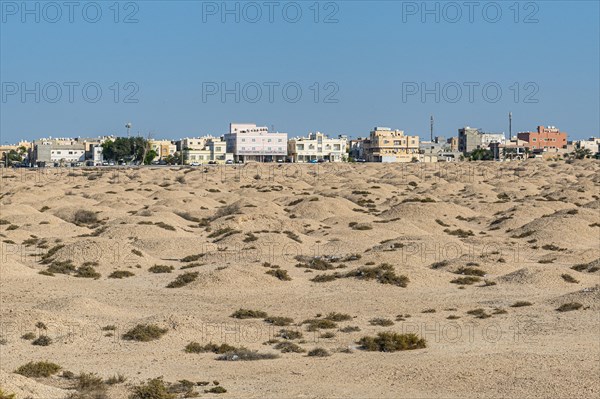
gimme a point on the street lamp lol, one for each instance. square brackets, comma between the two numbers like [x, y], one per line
[128, 126]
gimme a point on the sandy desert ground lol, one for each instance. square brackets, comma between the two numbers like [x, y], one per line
[517, 232]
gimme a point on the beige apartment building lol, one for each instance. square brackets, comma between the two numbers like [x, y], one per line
[317, 146]
[163, 148]
[201, 150]
[387, 145]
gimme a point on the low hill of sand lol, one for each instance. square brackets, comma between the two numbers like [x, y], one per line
[486, 253]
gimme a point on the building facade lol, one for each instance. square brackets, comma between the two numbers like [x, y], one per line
[206, 149]
[387, 145]
[248, 142]
[545, 139]
[470, 139]
[163, 148]
[318, 146]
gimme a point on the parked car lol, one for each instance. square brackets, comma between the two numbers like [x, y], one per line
[195, 164]
[229, 162]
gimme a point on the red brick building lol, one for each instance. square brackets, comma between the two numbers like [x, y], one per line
[546, 138]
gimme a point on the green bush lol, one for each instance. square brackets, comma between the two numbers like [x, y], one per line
[392, 342]
[249, 314]
[183, 279]
[319, 324]
[87, 272]
[144, 333]
[383, 273]
[334, 316]
[290, 334]
[42, 340]
[195, 347]
[121, 274]
[279, 321]
[569, 279]
[38, 370]
[469, 280]
[378, 321]
[319, 352]
[289, 347]
[161, 269]
[470, 271]
[520, 304]
[152, 389]
[280, 274]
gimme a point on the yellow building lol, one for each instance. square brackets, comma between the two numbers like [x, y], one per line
[387, 145]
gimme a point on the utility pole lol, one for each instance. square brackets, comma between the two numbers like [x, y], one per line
[510, 125]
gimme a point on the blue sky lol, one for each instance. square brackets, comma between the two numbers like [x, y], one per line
[367, 66]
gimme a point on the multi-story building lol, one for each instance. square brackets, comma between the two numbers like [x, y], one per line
[248, 142]
[592, 144]
[387, 145]
[163, 148]
[58, 152]
[357, 148]
[204, 149]
[545, 139]
[317, 146]
[470, 139]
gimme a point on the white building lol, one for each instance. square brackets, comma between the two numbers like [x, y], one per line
[318, 146]
[592, 144]
[248, 142]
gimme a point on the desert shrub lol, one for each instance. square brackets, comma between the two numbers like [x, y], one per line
[227, 210]
[191, 265]
[42, 340]
[314, 263]
[383, 273]
[466, 280]
[335, 316]
[83, 216]
[28, 336]
[378, 321]
[187, 216]
[567, 307]
[38, 369]
[488, 283]
[41, 325]
[183, 279]
[289, 347]
[152, 389]
[569, 279]
[195, 347]
[324, 278]
[290, 334]
[137, 252]
[161, 269]
[470, 271]
[437, 265]
[520, 304]
[144, 333]
[392, 342]
[318, 352]
[250, 237]
[249, 314]
[121, 274]
[319, 324]
[61, 267]
[191, 258]
[479, 313]
[459, 233]
[279, 321]
[244, 354]
[327, 334]
[87, 272]
[500, 311]
[428, 311]
[280, 274]
[223, 233]
[110, 327]
[217, 390]
[453, 317]
[165, 226]
[350, 329]
[292, 236]
[90, 386]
